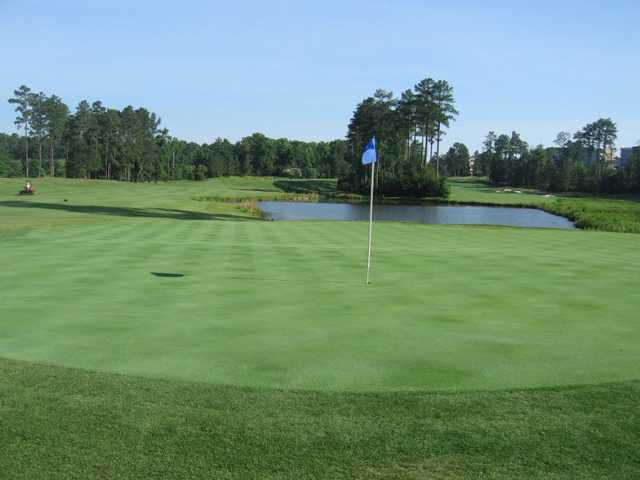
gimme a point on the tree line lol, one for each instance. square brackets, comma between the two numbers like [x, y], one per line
[408, 131]
[582, 162]
[129, 145]
[95, 141]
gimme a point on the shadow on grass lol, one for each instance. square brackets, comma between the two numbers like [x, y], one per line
[168, 213]
[322, 187]
[265, 190]
[167, 275]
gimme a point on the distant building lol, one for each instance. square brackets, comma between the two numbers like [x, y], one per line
[610, 157]
[625, 156]
[586, 157]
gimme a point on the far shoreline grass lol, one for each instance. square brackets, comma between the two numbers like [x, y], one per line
[612, 213]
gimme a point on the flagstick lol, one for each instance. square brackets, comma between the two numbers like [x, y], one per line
[373, 170]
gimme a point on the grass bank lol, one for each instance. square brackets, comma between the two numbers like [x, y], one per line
[612, 213]
[65, 423]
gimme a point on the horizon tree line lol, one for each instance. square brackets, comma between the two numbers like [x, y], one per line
[582, 162]
[129, 145]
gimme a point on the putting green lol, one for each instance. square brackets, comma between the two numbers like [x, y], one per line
[283, 304]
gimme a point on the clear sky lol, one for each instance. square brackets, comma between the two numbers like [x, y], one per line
[297, 68]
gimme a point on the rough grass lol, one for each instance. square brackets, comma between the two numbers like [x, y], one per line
[64, 423]
[332, 379]
[611, 213]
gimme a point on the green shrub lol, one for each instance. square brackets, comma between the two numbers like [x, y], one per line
[200, 173]
[414, 182]
[292, 172]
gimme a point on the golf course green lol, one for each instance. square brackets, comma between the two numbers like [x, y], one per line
[176, 298]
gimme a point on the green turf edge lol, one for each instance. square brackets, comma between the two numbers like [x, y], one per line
[66, 423]
[237, 197]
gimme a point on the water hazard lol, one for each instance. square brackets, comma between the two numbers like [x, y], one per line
[431, 214]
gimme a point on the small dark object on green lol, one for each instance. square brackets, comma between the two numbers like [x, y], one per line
[169, 275]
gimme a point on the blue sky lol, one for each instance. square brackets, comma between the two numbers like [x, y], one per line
[297, 68]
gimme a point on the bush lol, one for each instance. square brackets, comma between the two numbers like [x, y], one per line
[11, 168]
[185, 172]
[200, 173]
[419, 182]
[422, 183]
[292, 172]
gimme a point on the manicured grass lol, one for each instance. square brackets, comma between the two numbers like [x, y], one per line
[283, 304]
[271, 359]
[59, 201]
[63, 423]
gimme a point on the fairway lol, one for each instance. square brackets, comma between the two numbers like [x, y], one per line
[283, 304]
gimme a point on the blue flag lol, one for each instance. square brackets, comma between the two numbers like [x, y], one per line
[369, 155]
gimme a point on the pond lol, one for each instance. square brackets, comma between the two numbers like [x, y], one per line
[432, 214]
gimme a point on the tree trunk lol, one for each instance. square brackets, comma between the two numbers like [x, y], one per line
[26, 151]
[415, 135]
[406, 148]
[52, 167]
[378, 177]
[438, 152]
[106, 163]
[39, 155]
[425, 148]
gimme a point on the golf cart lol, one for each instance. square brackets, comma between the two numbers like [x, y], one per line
[28, 189]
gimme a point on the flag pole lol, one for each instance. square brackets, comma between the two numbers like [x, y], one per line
[373, 170]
